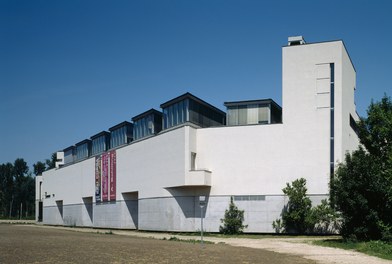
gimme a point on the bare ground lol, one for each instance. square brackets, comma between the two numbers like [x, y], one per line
[41, 244]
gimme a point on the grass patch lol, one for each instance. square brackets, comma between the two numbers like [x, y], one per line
[374, 248]
[106, 232]
[193, 241]
[273, 236]
[249, 235]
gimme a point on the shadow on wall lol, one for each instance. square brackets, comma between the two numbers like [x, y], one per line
[69, 221]
[88, 203]
[188, 199]
[131, 201]
[59, 204]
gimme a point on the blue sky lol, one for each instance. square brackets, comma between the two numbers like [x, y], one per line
[70, 69]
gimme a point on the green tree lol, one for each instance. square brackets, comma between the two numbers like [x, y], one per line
[359, 191]
[296, 215]
[17, 190]
[362, 186]
[299, 217]
[27, 195]
[375, 131]
[233, 220]
[39, 168]
[51, 163]
[20, 172]
[6, 188]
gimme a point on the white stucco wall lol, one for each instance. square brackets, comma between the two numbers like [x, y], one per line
[151, 165]
[69, 184]
[147, 166]
[350, 140]
[39, 196]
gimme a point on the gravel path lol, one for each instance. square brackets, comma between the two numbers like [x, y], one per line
[293, 246]
[300, 247]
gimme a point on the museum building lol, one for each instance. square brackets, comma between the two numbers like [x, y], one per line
[152, 172]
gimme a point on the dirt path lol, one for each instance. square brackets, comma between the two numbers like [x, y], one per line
[293, 246]
[300, 247]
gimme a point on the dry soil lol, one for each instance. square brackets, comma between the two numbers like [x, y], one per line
[35, 244]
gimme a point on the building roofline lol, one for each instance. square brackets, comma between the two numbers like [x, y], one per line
[259, 101]
[83, 142]
[100, 134]
[146, 113]
[120, 125]
[348, 54]
[69, 148]
[188, 95]
[321, 42]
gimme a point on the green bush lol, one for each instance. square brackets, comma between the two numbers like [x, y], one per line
[324, 219]
[233, 220]
[299, 217]
[362, 186]
[296, 214]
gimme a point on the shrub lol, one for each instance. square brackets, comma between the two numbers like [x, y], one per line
[233, 220]
[325, 219]
[298, 216]
[362, 193]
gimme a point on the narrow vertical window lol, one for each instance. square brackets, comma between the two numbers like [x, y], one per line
[193, 161]
[332, 125]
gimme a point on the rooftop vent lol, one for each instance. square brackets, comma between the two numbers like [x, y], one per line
[296, 40]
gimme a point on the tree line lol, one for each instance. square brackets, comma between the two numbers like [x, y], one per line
[17, 187]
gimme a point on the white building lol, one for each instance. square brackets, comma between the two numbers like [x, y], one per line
[149, 174]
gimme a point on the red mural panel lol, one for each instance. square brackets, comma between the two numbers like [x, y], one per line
[113, 175]
[105, 176]
[98, 179]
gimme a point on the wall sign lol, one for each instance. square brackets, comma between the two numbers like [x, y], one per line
[105, 177]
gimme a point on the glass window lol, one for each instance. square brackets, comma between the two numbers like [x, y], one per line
[245, 115]
[165, 120]
[242, 115]
[150, 125]
[122, 136]
[146, 126]
[98, 145]
[186, 110]
[136, 129]
[253, 113]
[69, 156]
[189, 110]
[263, 114]
[181, 112]
[82, 151]
[170, 116]
[175, 114]
[232, 116]
[139, 129]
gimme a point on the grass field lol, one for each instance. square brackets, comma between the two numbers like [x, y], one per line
[374, 248]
